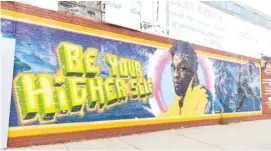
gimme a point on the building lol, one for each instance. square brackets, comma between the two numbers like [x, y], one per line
[85, 70]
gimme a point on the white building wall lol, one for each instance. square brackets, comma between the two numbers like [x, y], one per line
[190, 21]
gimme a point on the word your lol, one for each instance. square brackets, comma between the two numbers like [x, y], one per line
[78, 83]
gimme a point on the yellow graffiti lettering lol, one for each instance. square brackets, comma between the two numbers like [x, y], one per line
[141, 87]
[25, 87]
[58, 80]
[123, 67]
[121, 89]
[77, 83]
[111, 62]
[46, 97]
[76, 93]
[90, 68]
[149, 81]
[35, 97]
[96, 92]
[110, 90]
[61, 99]
[147, 89]
[70, 59]
[62, 103]
[134, 89]
[131, 69]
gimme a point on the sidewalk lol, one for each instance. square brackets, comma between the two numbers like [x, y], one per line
[253, 135]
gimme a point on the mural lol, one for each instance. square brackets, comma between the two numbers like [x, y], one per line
[209, 86]
[67, 77]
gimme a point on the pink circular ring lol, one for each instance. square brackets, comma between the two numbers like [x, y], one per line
[157, 81]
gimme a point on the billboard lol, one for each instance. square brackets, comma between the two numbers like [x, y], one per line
[123, 13]
[51, 5]
[154, 17]
[201, 24]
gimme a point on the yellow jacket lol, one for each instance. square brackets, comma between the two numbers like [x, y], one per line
[195, 102]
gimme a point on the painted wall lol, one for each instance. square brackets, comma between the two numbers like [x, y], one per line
[65, 77]
[266, 86]
[66, 74]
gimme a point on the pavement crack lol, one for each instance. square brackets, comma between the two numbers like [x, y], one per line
[129, 144]
[198, 140]
[66, 147]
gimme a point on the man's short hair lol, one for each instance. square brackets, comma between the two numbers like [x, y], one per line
[185, 48]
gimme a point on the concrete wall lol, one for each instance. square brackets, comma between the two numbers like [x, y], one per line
[78, 79]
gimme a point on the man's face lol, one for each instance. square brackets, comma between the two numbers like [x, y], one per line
[181, 74]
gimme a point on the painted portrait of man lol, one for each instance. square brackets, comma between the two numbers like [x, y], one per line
[191, 98]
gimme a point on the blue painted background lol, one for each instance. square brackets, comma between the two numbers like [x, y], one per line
[35, 53]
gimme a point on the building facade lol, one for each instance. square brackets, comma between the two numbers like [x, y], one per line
[76, 77]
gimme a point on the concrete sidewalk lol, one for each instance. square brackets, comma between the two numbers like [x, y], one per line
[253, 135]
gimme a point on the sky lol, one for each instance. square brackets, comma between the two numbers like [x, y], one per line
[262, 6]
